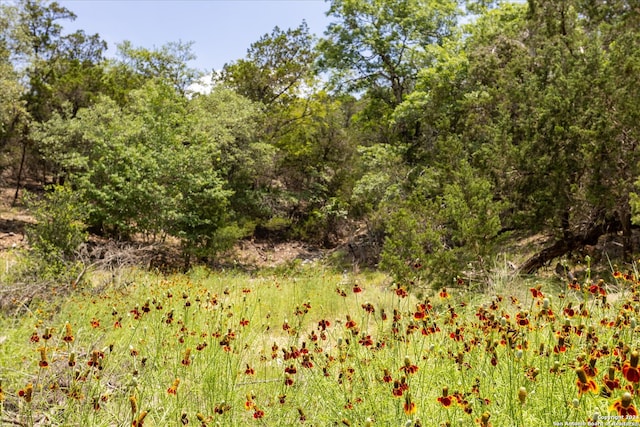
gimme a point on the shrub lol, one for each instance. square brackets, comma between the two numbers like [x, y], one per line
[441, 233]
[58, 232]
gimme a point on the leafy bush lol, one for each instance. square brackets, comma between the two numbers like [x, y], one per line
[58, 232]
[161, 166]
[440, 233]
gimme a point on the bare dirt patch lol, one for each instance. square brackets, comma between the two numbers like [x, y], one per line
[13, 220]
[254, 254]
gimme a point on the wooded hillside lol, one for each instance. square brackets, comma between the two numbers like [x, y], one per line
[442, 126]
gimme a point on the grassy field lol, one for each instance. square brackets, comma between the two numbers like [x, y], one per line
[310, 346]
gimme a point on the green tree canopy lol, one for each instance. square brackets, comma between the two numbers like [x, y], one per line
[168, 63]
[380, 45]
[277, 68]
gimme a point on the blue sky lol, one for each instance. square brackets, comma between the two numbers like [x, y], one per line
[221, 30]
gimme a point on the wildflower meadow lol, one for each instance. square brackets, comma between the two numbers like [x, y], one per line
[311, 346]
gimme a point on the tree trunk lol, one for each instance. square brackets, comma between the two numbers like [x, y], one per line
[570, 243]
[624, 216]
[19, 178]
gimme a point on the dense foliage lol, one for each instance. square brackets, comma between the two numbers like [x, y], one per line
[438, 125]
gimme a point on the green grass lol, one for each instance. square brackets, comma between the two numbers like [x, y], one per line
[311, 346]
